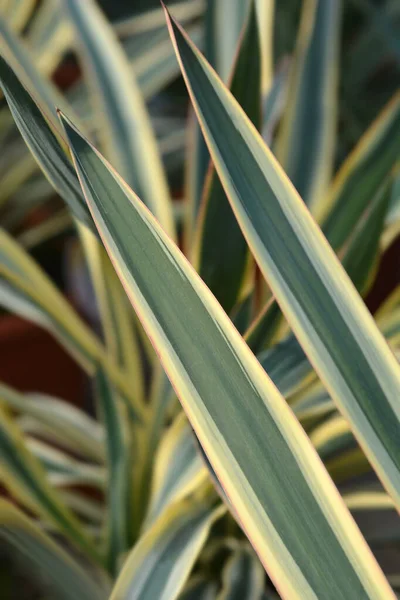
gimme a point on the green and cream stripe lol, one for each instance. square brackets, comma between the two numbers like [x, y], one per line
[261, 455]
[316, 296]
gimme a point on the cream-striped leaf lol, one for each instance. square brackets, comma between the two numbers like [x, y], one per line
[48, 564]
[242, 577]
[127, 133]
[362, 174]
[24, 476]
[80, 431]
[316, 296]
[161, 561]
[306, 143]
[119, 484]
[178, 468]
[258, 450]
[221, 260]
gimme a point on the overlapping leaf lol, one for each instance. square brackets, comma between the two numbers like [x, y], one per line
[56, 572]
[207, 360]
[319, 302]
[127, 133]
[160, 563]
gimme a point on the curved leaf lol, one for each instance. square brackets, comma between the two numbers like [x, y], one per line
[241, 420]
[60, 575]
[242, 577]
[160, 563]
[25, 477]
[178, 468]
[362, 174]
[83, 434]
[306, 142]
[317, 298]
[127, 132]
[221, 260]
[119, 482]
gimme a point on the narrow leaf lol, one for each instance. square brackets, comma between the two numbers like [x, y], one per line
[127, 133]
[361, 253]
[317, 298]
[160, 563]
[119, 482]
[178, 468]
[60, 576]
[242, 577]
[221, 260]
[362, 174]
[24, 476]
[43, 143]
[199, 589]
[81, 432]
[306, 143]
[249, 417]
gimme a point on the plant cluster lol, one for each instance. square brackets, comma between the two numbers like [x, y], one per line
[245, 441]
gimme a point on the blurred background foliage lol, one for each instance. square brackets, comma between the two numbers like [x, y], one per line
[370, 54]
[369, 74]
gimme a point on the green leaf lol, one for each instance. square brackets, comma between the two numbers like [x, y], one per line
[361, 253]
[242, 577]
[49, 37]
[224, 24]
[274, 101]
[316, 296]
[160, 563]
[286, 364]
[72, 426]
[18, 56]
[127, 135]
[26, 290]
[362, 174]
[199, 589]
[24, 476]
[388, 317]
[144, 21]
[119, 487]
[261, 332]
[43, 143]
[153, 61]
[220, 46]
[62, 469]
[56, 572]
[178, 469]
[117, 318]
[241, 420]
[242, 313]
[392, 221]
[221, 253]
[306, 143]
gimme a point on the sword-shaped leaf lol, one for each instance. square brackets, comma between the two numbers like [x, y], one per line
[57, 573]
[316, 296]
[127, 133]
[306, 143]
[260, 453]
[161, 561]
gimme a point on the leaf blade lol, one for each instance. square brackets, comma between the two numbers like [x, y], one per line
[220, 366]
[68, 579]
[160, 563]
[316, 296]
[129, 134]
[306, 141]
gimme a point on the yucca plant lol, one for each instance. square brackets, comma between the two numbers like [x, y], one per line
[259, 332]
